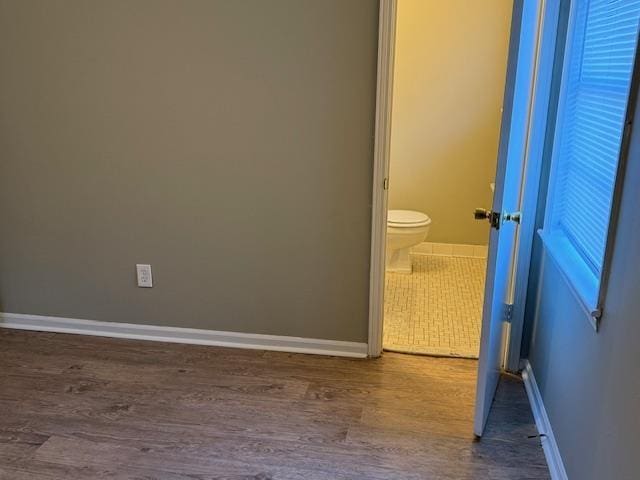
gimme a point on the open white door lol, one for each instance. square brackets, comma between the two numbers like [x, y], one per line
[507, 201]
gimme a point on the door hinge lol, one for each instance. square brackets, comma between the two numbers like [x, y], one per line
[508, 312]
[385, 183]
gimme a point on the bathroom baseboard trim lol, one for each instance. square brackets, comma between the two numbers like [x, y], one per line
[547, 439]
[183, 335]
[450, 250]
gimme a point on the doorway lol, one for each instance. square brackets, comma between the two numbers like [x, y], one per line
[530, 67]
[449, 77]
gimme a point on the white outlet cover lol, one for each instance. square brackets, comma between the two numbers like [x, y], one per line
[145, 279]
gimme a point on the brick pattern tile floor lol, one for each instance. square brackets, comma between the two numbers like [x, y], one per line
[437, 310]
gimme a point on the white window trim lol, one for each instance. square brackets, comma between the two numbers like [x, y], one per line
[581, 280]
[588, 289]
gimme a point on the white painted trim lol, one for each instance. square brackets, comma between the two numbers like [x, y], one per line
[541, 95]
[384, 92]
[183, 335]
[548, 441]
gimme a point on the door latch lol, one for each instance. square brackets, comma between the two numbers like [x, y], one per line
[492, 217]
[512, 217]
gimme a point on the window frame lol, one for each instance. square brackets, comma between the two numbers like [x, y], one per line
[588, 288]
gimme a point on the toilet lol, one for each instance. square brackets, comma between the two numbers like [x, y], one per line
[405, 228]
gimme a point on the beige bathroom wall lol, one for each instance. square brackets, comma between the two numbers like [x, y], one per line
[228, 143]
[449, 80]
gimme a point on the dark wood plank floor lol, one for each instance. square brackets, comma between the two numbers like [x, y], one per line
[74, 407]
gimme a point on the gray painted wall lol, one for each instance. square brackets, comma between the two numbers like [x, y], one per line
[227, 143]
[590, 382]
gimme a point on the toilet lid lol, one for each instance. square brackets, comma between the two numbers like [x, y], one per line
[407, 218]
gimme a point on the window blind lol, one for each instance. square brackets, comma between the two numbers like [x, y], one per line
[600, 54]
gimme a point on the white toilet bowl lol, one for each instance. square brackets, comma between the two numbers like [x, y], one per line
[405, 228]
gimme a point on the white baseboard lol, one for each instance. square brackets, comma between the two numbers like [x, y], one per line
[548, 441]
[183, 335]
[450, 250]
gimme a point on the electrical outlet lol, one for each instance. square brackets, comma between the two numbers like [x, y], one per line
[145, 279]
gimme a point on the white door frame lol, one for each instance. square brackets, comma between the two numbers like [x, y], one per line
[384, 101]
[384, 94]
[542, 91]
